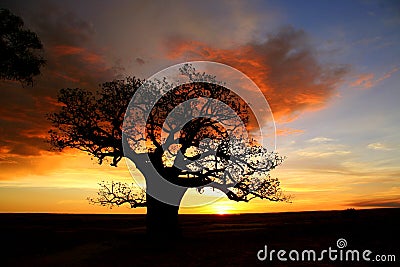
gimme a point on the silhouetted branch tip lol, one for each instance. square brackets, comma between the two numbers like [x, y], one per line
[113, 194]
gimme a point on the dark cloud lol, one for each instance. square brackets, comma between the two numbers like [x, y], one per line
[54, 23]
[377, 203]
[73, 60]
[140, 61]
[75, 57]
[284, 66]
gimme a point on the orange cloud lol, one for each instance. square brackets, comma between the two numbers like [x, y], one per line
[369, 80]
[84, 54]
[92, 58]
[288, 131]
[365, 80]
[284, 67]
[389, 74]
[62, 50]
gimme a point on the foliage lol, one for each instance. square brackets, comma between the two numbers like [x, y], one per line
[93, 122]
[19, 47]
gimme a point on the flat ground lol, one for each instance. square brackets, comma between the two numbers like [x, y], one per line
[207, 240]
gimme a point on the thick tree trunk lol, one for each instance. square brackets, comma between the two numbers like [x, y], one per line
[161, 218]
[162, 197]
[163, 200]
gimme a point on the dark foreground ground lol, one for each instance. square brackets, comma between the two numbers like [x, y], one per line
[208, 240]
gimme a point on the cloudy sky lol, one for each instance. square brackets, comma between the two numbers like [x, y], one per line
[329, 69]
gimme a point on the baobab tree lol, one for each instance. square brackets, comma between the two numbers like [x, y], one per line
[194, 135]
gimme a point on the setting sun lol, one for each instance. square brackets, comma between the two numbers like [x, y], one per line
[222, 209]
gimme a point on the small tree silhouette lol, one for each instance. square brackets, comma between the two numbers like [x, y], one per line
[116, 194]
[200, 146]
[19, 47]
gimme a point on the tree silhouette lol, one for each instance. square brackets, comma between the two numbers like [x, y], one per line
[19, 47]
[201, 145]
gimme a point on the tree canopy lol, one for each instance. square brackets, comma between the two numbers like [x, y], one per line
[20, 48]
[190, 139]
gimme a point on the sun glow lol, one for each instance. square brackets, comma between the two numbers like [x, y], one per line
[222, 210]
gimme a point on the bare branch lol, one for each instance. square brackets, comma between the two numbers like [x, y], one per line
[116, 194]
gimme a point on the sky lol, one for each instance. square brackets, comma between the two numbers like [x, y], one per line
[329, 70]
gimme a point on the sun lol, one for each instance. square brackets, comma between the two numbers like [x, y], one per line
[222, 210]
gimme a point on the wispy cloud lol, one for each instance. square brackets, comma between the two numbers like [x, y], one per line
[377, 203]
[284, 131]
[322, 154]
[365, 80]
[322, 147]
[321, 150]
[320, 140]
[379, 146]
[369, 80]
